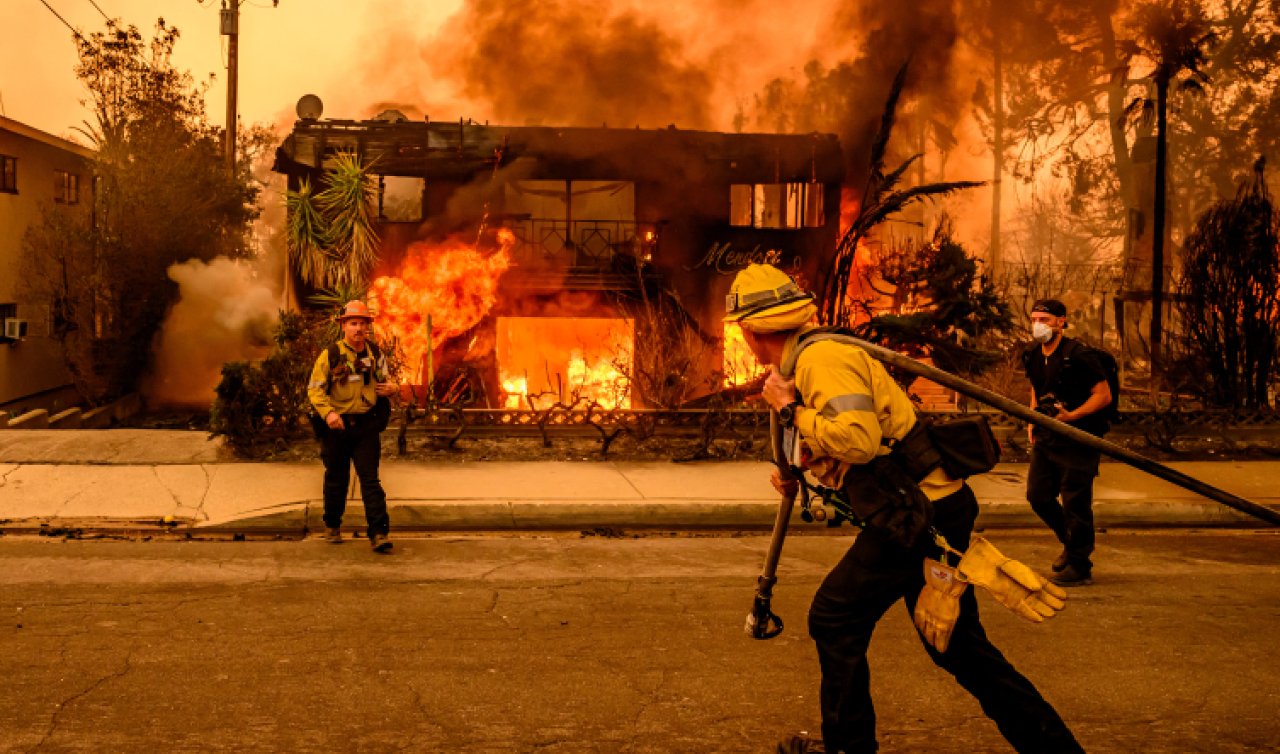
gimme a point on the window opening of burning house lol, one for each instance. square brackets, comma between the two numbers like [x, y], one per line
[400, 198]
[574, 223]
[568, 360]
[776, 205]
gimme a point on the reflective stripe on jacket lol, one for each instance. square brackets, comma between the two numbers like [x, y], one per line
[851, 404]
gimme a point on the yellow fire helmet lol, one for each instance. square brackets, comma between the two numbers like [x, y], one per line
[766, 299]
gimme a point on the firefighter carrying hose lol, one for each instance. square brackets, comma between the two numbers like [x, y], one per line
[855, 430]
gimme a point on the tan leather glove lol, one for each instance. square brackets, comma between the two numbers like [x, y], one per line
[939, 605]
[1012, 584]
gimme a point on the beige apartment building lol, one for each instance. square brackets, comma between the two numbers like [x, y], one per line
[38, 171]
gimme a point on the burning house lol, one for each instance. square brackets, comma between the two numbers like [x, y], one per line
[551, 263]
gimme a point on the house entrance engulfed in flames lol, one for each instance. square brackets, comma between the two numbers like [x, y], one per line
[555, 265]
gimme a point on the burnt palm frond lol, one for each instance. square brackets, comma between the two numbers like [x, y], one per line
[880, 201]
[897, 201]
[893, 177]
[881, 144]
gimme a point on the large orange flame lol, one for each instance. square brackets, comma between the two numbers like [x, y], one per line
[452, 282]
[740, 365]
[542, 360]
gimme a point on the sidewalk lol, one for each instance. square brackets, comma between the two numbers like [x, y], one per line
[147, 480]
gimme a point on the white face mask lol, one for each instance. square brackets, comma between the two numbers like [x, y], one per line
[1042, 332]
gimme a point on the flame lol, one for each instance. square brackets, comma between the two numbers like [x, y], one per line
[849, 206]
[452, 282]
[542, 360]
[740, 364]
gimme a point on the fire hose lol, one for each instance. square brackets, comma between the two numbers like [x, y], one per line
[762, 623]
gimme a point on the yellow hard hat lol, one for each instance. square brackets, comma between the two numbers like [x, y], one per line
[763, 290]
[355, 309]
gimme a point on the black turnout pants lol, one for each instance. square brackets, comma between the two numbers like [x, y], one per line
[873, 575]
[358, 444]
[1067, 472]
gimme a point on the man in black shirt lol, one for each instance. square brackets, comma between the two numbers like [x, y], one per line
[1069, 384]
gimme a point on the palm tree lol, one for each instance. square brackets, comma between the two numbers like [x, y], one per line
[880, 201]
[332, 241]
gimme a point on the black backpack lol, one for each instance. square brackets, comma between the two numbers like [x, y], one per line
[1076, 349]
[1110, 370]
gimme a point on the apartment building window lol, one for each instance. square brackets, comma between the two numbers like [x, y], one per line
[66, 187]
[8, 174]
[776, 205]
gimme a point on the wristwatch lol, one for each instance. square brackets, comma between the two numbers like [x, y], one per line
[787, 414]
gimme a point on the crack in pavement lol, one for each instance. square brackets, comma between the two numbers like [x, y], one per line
[177, 503]
[208, 485]
[416, 700]
[644, 707]
[62, 506]
[4, 478]
[62, 706]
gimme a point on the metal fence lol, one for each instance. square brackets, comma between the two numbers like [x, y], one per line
[482, 421]
[580, 243]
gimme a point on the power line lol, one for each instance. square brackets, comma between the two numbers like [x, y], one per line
[104, 15]
[73, 29]
[98, 44]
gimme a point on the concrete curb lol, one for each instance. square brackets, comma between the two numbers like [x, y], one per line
[282, 499]
[304, 517]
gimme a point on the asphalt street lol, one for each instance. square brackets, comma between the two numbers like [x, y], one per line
[586, 644]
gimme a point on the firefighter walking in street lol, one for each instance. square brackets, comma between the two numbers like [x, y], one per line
[848, 411]
[350, 391]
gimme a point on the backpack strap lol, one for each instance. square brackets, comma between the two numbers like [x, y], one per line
[335, 354]
[335, 357]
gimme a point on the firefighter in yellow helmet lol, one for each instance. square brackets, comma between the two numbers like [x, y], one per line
[350, 391]
[847, 411]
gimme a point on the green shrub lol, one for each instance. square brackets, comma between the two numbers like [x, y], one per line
[267, 401]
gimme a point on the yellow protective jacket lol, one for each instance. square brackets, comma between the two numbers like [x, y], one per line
[851, 405]
[348, 393]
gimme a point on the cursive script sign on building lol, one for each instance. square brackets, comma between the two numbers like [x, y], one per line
[726, 260]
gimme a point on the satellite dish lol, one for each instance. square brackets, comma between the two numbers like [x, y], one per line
[310, 107]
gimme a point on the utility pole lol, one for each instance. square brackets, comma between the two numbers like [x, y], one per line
[230, 20]
[230, 17]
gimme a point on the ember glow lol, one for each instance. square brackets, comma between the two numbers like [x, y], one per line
[542, 360]
[848, 209]
[740, 365]
[452, 282]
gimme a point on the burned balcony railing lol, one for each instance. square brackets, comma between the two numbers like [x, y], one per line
[579, 243]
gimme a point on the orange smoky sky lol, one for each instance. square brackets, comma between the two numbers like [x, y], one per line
[317, 46]
[624, 63]
[696, 64]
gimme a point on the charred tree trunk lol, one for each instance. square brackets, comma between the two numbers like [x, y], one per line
[997, 148]
[1158, 223]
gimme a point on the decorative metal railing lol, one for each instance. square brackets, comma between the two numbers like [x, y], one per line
[750, 423]
[580, 243]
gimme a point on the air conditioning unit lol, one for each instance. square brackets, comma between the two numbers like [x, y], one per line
[15, 329]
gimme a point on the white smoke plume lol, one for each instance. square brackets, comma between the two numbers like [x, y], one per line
[225, 312]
